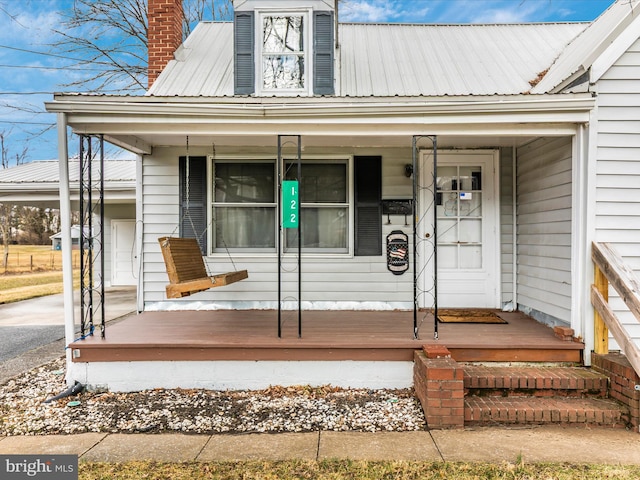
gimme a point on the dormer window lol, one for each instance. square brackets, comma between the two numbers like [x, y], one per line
[284, 53]
[288, 52]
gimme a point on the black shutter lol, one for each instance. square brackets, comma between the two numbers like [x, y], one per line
[193, 214]
[323, 53]
[368, 205]
[244, 65]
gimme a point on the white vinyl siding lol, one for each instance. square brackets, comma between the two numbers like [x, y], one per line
[544, 229]
[618, 170]
[326, 278]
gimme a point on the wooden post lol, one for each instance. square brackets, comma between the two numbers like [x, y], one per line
[601, 332]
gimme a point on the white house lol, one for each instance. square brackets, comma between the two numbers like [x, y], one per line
[514, 145]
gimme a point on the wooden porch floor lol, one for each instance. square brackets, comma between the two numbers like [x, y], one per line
[326, 335]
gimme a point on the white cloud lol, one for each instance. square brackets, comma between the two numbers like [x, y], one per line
[29, 22]
[518, 13]
[366, 11]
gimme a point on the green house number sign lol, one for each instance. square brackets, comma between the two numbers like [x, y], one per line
[290, 204]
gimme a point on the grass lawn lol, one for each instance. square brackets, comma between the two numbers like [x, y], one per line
[33, 271]
[348, 469]
[34, 258]
[16, 287]
[29, 279]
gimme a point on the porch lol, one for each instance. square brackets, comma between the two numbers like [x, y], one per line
[251, 335]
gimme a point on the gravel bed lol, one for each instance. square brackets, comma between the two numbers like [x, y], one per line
[276, 409]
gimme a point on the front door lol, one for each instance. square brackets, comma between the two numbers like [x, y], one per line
[123, 254]
[467, 224]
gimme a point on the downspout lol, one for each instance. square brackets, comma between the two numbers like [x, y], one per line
[67, 258]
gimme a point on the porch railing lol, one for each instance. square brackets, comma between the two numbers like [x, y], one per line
[611, 269]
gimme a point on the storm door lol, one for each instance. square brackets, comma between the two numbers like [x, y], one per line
[467, 214]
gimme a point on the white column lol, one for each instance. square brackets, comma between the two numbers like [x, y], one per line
[139, 234]
[67, 248]
[579, 251]
[590, 231]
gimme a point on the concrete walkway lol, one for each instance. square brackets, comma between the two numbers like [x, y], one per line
[493, 445]
[49, 310]
[23, 319]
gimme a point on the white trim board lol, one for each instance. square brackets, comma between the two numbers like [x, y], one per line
[614, 51]
[240, 375]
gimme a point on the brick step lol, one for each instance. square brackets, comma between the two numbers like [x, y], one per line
[540, 381]
[546, 410]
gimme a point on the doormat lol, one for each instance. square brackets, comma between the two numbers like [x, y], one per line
[469, 316]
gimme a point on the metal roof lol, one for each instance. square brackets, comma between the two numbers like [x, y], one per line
[437, 60]
[47, 171]
[389, 60]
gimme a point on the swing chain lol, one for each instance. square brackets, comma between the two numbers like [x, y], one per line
[187, 214]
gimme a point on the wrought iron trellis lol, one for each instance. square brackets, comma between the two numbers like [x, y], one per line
[91, 186]
[425, 232]
[295, 141]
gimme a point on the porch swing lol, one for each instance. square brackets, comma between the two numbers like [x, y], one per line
[185, 264]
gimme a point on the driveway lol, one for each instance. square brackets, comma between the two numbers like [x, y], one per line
[32, 331]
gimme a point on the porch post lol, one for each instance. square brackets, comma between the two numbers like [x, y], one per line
[579, 245]
[67, 251]
[589, 218]
[139, 231]
[414, 206]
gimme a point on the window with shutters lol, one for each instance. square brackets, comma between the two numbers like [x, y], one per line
[284, 52]
[340, 210]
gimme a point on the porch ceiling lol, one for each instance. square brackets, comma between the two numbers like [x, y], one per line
[348, 141]
[139, 124]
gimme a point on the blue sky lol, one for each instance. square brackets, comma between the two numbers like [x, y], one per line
[30, 70]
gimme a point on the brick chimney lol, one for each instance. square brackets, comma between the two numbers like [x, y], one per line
[164, 34]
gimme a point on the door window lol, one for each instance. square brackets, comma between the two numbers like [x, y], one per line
[459, 212]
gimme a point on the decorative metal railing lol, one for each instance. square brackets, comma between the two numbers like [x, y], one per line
[91, 181]
[425, 232]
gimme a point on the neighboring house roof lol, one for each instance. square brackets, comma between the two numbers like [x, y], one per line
[75, 233]
[38, 181]
[388, 60]
[580, 54]
[48, 171]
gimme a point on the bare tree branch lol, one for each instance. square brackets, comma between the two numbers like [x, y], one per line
[113, 34]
